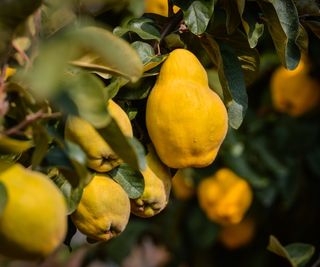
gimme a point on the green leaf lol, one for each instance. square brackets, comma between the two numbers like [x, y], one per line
[131, 180]
[142, 26]
[307, 7]
[71, 194]
[198, 15]
[314, 26]
[3, 197]
[233, 9]
[71, 161]
[128, 151]
[115, 85]
[87, 93]
[283, 24]
[55, 16]
[41, 140]
[117, 55]
[147, 55]
[10, 145]
[114, 56]
[139, 90]
[252, 27]
[298, 254]
[232, 80]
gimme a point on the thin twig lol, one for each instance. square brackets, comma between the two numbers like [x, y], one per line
[30, 119]
[173, 23]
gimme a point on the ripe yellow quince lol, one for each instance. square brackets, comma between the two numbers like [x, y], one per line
[294, 91]
[101, 157]
[183, 187]
[157, 186]
[34, 221]
[224, 197]
[186, 120]
[104, 209]
[238, 235]
[159, 7]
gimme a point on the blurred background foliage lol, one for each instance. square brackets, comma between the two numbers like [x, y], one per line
[75, 69]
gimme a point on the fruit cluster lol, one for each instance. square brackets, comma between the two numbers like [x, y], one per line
[187, 123]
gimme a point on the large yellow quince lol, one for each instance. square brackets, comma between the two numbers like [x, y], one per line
[224, 197]
[186, 120]
[34, 221]
[294, 92]
[104, 209]
[101, 157]
[159, 7]
[157, 186]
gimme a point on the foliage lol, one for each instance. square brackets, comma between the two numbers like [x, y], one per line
[71, 57]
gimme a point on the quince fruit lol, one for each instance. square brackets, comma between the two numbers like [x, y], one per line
[159, 7]
[224, 197]
[157, 186]
[294, 91]
[104, 209]
[101, 157]
[186, 120]
[34, 220]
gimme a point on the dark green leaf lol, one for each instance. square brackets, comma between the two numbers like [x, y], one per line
[307, 7]
[231, 77]
[198, 15]
[41, 140]
[71, 194]
[131, 181]
[139, 90]
[3, 197]
[298, 254]
[303, 39]
[142, 26]
[283, 24]
[122, 146]
[314, 26]
[70, 160]
[232, 9]
[79, 162]
[72, 230]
